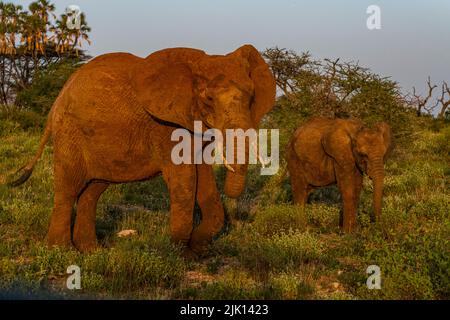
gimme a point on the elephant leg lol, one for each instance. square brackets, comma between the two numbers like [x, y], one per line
[358, 181]
[358, 186]
[299, 185]
[208, 199]
[346, 184]
[181, 182]
[67, 185]
[59, 233]
[300, 189]
[84, 237]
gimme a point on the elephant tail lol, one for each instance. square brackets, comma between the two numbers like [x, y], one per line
[27, 169]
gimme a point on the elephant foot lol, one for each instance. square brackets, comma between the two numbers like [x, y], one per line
[85, 245]
[189, 254]
[58, 241]
[84, 239]
[203, 236]
[200, 239]
[199, 248]
[347, 228]
[348, 221]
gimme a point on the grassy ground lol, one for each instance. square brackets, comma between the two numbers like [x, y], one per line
[275, 251]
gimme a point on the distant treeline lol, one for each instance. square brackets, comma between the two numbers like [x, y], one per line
[34, 42]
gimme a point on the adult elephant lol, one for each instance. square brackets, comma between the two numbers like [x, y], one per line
[112, 123]
[328, 151]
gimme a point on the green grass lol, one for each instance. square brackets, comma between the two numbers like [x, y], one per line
[276, 250]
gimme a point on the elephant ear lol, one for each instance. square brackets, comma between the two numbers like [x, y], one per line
[338, 143]
[386, 131]
[166, 92]
[263, 80]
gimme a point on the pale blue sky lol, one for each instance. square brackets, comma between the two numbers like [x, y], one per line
[414, 41]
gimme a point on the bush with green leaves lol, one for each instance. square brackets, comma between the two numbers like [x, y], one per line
[46, 85]
[332, 88]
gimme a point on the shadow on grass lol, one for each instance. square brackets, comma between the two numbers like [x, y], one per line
[19, 290]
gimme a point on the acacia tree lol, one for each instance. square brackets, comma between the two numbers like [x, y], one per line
[289, 69]
[331, 88]
[31, 42]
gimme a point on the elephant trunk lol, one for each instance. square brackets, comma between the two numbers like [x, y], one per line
[235, 179]
[377, 175]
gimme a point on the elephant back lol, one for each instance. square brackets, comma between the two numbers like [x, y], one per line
[176, 55]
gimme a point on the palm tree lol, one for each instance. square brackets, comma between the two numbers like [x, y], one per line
[31, 41]
[36, 26]
[9, 27]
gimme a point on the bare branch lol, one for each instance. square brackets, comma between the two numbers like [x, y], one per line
[421, 102]
[444, 103]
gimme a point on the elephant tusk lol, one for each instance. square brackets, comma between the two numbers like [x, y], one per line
[255, 149]
[225, 163]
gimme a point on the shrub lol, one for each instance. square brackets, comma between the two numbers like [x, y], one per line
[278, 252]
[13, 117]
[46, 85]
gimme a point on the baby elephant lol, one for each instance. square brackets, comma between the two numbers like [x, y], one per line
[327, 151]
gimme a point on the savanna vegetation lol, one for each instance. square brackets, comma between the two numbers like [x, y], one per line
[274, 250]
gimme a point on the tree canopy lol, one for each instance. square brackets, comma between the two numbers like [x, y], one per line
[32, 41]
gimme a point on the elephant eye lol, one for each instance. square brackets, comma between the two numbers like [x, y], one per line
[209, 100]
